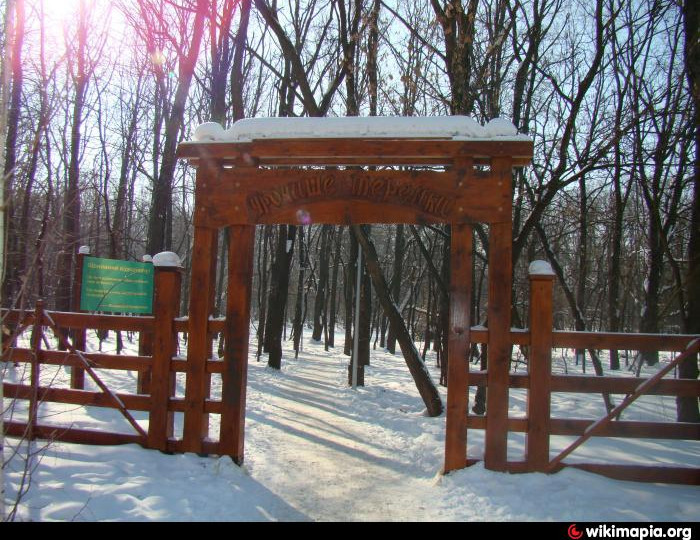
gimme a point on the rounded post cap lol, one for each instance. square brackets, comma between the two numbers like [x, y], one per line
[167, 259]
[147, 258]
[540, 268]
[84, 250]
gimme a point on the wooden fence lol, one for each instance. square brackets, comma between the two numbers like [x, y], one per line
[159, 364]
[540, 383]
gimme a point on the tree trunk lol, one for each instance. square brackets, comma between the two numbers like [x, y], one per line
[298, 324]
[71, 203]
[687, 407]
[427, 390]
[334, 288]
[277, 305]
[160, 215]
[12, 274]
[397, 275]
[320, 300]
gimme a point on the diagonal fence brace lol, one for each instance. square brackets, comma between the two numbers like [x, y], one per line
[88, 368]
[692, 348]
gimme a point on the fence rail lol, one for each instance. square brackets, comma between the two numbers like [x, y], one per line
[159, 365]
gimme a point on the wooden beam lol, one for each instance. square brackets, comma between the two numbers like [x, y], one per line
[628, 429]
[66, 358]
[540, 371]
[353, 151]
[166, 306]
[612, 340]
[247, 195]
[624, 385]
[458, 348]
[642, 473]
[499, 307]
[235, 373]
[71, 435]
[204, 249]
[77, 397]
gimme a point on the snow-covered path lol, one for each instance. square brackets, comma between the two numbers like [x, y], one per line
[332, 461]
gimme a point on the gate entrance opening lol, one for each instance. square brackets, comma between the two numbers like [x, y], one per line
[343, 171]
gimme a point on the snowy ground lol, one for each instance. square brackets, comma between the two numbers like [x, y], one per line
[317, 450]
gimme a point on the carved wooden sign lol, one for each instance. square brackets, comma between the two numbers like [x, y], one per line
[359, 185]
[250, 195]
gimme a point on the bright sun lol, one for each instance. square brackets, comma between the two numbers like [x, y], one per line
[61, 10]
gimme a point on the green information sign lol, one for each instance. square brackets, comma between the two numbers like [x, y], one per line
[116, 286]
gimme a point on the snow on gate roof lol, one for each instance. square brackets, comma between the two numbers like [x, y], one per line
[415, 127]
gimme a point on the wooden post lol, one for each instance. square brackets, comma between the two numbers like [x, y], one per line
[77, 375]
[166, 307]
[235, 375]
[143, 379]
[458, 345]
[499, 306]
[203, 253]
[539, 366]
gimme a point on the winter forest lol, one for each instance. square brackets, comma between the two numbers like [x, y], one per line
[100, 93]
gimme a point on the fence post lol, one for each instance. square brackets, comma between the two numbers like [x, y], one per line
[166, 306]
[143, 379]
[539, 366]
[77, 375]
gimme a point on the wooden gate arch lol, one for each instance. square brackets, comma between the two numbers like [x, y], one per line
[344, 171]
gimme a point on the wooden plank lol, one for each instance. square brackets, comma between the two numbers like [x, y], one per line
[71, 435]
[515, 380]
[84, 320]
[208, 447]
[248, 195]
[179, 365]
[166, 305]
[499, 307]
[198, 342]
[642, 473]
[596, 385]
[357, 161]
[217, 325]
[518, 425]
[77, 397]
[357, 151]
[628, 429]
[479, 334]
[134, 323]
[619, 341]
[461, 248]
[235, 375]
[622, 429]
[211, 406]
[540, 370]
[66, 358]
[623, 385]
[181, 324]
